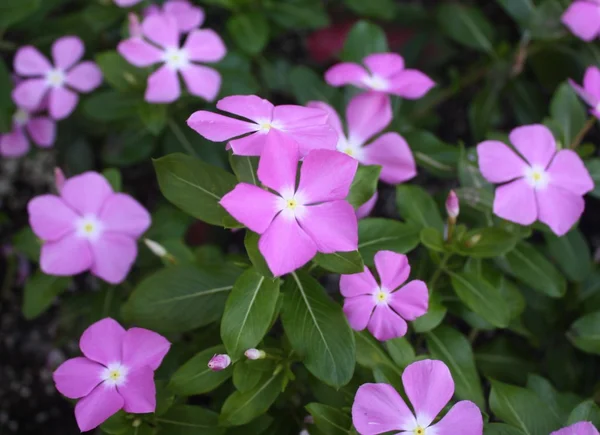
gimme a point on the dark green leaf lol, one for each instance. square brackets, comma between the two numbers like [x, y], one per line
[546, 22]
[106, 106]
[501, 428]
[258, 261]
[572, 254]
[237, 76]
[380, 9]
[485, 108]
[432, 154]
[467, 26]
[490, 242]
[585, 411]
[247, 374]
[434, 316]
[40, 291]
[568, 112]
[153, 116]
[306, 85]
[364, 185]
[13, 11]
[329, 420]
[341, 262]
[401, 351]
[245, 167]
[560, 404]
[7, 108]
[593, 166]
[432, 239]
[114, 178]
[585, 333]
[128, 147]
[194, 377]
[501, 359]
[249, 30]
[369, 352]
[417, 206]
[119, 73]
[376, 234]
[363, 39]
[190, 420]
[520, 10]
[298, 14]
[26, 242]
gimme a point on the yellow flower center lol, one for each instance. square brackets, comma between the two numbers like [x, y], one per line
[265, 127]
[291, 203]
[419, 431]
[381, 297]
[114, 375]
[88, 228]
[349, 151]
[55, 78]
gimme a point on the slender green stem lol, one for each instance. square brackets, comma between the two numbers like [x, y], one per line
[108, 300]
[584, 130]
[181, 138]
[438, 272]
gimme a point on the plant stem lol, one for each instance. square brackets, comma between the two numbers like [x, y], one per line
[584, 130]
[438, 272]
[181, 138]
[108, 300]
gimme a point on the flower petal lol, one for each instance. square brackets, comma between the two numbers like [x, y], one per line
[252, 206]
[278, 163]
[358, 311]
[126, 3]
[29, 62]
[581, 18]
[393, 154]
[103, 341]
[498, 163]
[591, 81]
[285, 246]
[66, 51]
[163, 86]
[357, 284]
[95, 408]
[86, 193]
[114, 254]
[85, 77]
[249, 106]
[62, 103]
[581, 428]
[77, 377]
[378, 408]
[365, 210]
[568, 171]
[202, 81]
[393, 269]
[122, 214]
[333, 117]
[586, 94]
[162, 30]
[346, 74]
[385, 324]
[14, 144]
[309, 127]
[67, 256]
[410, 84]
[535, 143]
[218, 128]
[29, 93]
[319, 183]
[515, 202]
[560, 209]
[384, 64]
[411, 301]
[251, 145]
[50, 218]
[139, 391]
[465, 417]
[42, 131]
[205, 46]
[368, 114]
[188, 17]
[333, 226]
[138, 52]
[142, 347]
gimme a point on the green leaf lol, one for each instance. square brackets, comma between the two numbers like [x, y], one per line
[194, 186]
[380, 9]
[501, 428]
[593, 167]
[318, 330]
[7, 107]
[190, 420]
[369, 352]
[454, 349]
[432, 239]
[560, 404]
[40, 291]
[434, 316]
[492, 242]
[432, 154]
[113, 176]
[248, 312]
[237, 75]
[194, 377]
[306, 85]
[13, 11]
[364, 185]
[26, 242]
[522, 408]
[528, 265]
[117, 424]
[585, 411]
[298, 14]
[153, 116]
[341, 262]
[585, 333]
[106, 106]
[256, 258]
[401, 351]
[329, 420]
[377, 234]
[245, 167]
[467, 26]
[247, 374]
[249, 30]
[572, 254]
[520, 10]
[546, 23]
[484, 109]
[119, 73]
[568, 112]
[417, 206]
[363, 39]
[181, 298]
[128, 147]
[502, 359]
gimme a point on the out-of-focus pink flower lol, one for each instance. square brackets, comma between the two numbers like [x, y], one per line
[365, 210]
[59, 179]
[41, 129]
[581, 428]
[582, 18]
[60, 82]
[385, 307]
[296, 223]
[116, 372]
[219, 362]
[308, 127]
[187, 16]
[135, 27]
[382, 72]
[378, 408]
[367, 115]
[590, 92]
[542, 184]
[126, 3]
[162, 46]
[88, 227]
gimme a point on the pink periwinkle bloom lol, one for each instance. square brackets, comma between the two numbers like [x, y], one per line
[40, 128]
[581, 428]
[219, 362]
[382, 72]
[297, 222]
[367, 115]
[544, 184]
[582, 18]
[452, 205]
[308, 127]
[88, 227]
[161, 45]
[385, 307]
[60, 82]
[590, 92]
[187, 16]
[116, 372]
[365, 210]
[378, 408]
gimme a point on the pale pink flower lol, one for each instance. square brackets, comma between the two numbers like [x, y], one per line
[40, 128]
[59, 81]
[382, 72]
[582, 18]
[116, 372]
[378, 408]
[59, 179]
[126, 3]
[590, 92]
[365, 210]
[581, 428]
[187, 16]
[385, 307]
[219, 362]
[367, 115]
[308, 127]
[297, 222]
[161, 45]
[254, 354]
[452, 205]
[88, 227]
[539, 182]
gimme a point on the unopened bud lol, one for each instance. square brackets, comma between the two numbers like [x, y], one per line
[304, 432]
[452, 205]
[473, 240]
[255, 354]
[309, 419]
[156, 248]
[135, 28]
[219, 362]
[59, 179]
[136, 423]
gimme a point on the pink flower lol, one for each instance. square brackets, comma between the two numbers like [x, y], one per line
[88, 227]
[59, 81]
[365, 210]
[296, 223]
[219, 362]
[542, 184]
[383, 72]
[452, 205]
[383, 308]
[308, 127]
[116, 372]
[187, 16]
[41, 129]
[590, 92]
[581, 428]
[162, 46]
[126, 3]
[378, 408]
[583, 19]
[367, 115]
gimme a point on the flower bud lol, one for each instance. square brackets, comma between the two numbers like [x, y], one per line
[255, 354]
[156, 248]
[309, 419]
[59, 179]
[135, 28]
[219, 362]
[473, 240]
[452, 205]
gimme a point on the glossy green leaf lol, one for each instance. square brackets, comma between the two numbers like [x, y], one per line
[432, 239]
[113, 176]
[306, 85]
[363, 39]
[568, 112]
[194, 377]
[501, 428]
[401, 351]
[26, 242]
[249, 30]
[593, 167]
[40, 291]
[329, 420]
[585, 411]
[247, 374]
[153, 116]
[585, 333]
[190, 420]
[119, 73]
[572, 254]
[467, 26]
[245, 167]
[486, 243]
[341, 262]
[432, 154]
[418, 207]
[377, 234]
[433, 317]
[258, 261]
[364, 185]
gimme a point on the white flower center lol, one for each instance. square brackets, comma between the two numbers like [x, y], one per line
[55, 78]
[176, 58]
[89, 227]
[291, 205]
[350, 147]
[537, 177]
[375, 82]
[420, 431]
[21, 117]
[381, 297]
[114, 375]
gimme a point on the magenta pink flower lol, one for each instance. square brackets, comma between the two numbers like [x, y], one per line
[126, 3]
[41, 129]
[309, 128]
[382, 72]
[219, 362]
[583, 19]
[365, 210]
[383, 308]
[88, 227]
[378, 408]
[581, 428]
[116, 372]
[187, 16]
[590, 92]
[58, 82]
[539, 182]
[296, 223]
[367, 115]
[162, 46]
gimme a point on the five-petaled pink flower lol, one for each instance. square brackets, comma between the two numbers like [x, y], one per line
[187, 16]
[582, 18]
[162, 46]
[378, 408]
[581, 428]
[542, 184]
[382, 72]
[116, 372]
[88, 227]
[590, 92]
[296, 223]
[367, 115]
[383, 308]
[59, 81]
[41, 129]
[309, 127]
